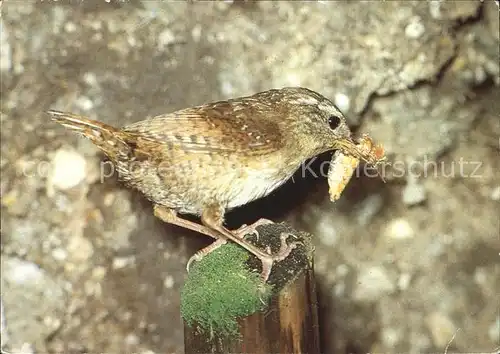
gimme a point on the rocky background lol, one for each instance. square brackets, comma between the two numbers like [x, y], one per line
[409, 265]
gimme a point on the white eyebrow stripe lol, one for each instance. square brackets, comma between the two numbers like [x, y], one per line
[306, 100]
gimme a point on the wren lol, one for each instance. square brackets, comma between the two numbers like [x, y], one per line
[211, 158]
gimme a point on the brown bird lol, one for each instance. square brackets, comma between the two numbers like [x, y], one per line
[208, 159]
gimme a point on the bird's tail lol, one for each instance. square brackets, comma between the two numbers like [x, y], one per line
[107, 138]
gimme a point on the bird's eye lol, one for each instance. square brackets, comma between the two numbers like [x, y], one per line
[334, 122]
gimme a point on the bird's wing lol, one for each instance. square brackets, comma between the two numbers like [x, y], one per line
[221, 128]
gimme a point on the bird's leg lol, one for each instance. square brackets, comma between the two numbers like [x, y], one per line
[170, 216]
[213, 217]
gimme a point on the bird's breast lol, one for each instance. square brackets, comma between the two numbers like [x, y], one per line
[252, 184]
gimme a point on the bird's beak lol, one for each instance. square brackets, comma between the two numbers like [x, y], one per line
[348, 147]
[370, 154]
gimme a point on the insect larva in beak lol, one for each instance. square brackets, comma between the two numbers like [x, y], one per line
[341, 170]
[342, 166]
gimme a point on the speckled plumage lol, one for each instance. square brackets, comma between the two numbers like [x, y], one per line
[211, 158]
[229, 152]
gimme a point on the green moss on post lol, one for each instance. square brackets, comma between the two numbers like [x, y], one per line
[223, 299]
[220, 289]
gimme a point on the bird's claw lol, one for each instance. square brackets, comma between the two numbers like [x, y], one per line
[285, 250]
[252, 229]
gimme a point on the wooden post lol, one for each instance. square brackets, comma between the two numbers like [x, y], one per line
[289, 324]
